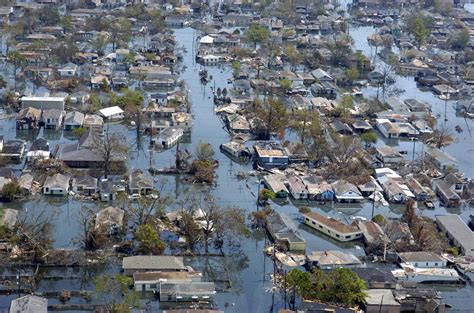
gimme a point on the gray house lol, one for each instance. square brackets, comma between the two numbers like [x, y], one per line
[147, 263]
[187, 291]
[57, 185]
[73, 120]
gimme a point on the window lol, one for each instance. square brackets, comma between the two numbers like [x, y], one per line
[426, 263]
[436, 264]
[320, 226]
[337, 236]
[313, 223]
[416, 264]
[152, 285]
[348, 237]
[307, 219]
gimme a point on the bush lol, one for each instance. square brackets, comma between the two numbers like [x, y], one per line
[266, 194]
[10, 191]
[453, 250]
[304, 210]
[379, 219]
[203, 171]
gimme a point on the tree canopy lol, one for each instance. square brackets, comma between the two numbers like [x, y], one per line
[257, 34]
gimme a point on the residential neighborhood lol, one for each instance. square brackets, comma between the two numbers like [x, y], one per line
[237, 156]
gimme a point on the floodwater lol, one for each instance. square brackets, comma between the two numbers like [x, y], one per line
[249, 271]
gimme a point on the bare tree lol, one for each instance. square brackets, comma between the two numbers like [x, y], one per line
[440, 137]
[112, 150]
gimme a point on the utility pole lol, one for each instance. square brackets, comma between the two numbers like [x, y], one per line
[373, 202]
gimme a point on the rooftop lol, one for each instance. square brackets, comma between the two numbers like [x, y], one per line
[332, 223]
[153, 262]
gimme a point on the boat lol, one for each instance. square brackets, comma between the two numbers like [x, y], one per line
[429, 204]
[444, 96]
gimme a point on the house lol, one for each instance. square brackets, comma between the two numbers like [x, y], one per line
[381, 301]
[275, 183]
[69, 70]
[321, 75]
[39, 150]
[149, 263]
[284, 233]
[388, 155]
[187, 291]
[417, 189]
[455, 183]
[43, 103]
[270, 155]
[361, 126]
[296, 152]
[426, 275]
[150, 281]
[107, 191]
[111, 113]
[168, 137]
[377, 278]
[418, 299]
[53, 118]
[422, 259]
[458, 232]
[182, 120]
[368, 188]
[242, 86]
[324, 89]
[25, 182]
[28, 118]
[109, 221]
[73, 120]
[29, 304]
[99, 81]
[318, 189]
[84, 185]
[12, 149]
[374, 235]
[396, 191]
[93, 121]
[447, 196]
[331, 259]
[86, 154]
[139, 183]
[341, 128]
[331, 227]
[387, 128]
[297, 188]
[442, 160]
[346, 192]
[57, 185]
[237, 123]
[235, 149]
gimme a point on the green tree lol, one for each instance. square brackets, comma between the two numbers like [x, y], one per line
[460, 40]
[66, 51]
[271, 117]
[17, 59]
[257, 34]
[95, 103]
[379, 219]
[419, 29]
[48, 15]
[299, 282]
[285, 84]
[340, 49]
[236, 66]
[121, 32]
[305, 122]
[116, 294]
[10, 190]
[149, 240]
[128, 98]
[342, 286]
[369, 138]
[204, 151]
[345, 105]
[99, 43]
[266, 194]
[78, 132]
[66, 24]
[352, 74]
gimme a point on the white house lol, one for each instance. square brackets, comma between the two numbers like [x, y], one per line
[422, 259]
[388, 155]
[169, 137]
[56, 185]
[73, 120]
[387, 128]
[346, 192]
[111, 113]
[69, 70]
[43, 103]
[332, 227]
